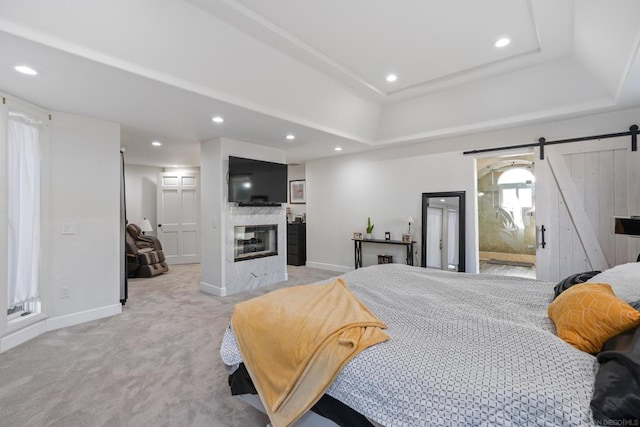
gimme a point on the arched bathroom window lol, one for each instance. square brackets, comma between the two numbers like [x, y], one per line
[516, 176]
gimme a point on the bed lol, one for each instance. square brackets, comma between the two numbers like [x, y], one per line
[465, 349]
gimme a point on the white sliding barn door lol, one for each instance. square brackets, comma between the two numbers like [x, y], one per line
[178, 216]
[580, 187]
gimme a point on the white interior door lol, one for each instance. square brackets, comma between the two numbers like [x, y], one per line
[434, 237]
[179, 216]
[580, 188]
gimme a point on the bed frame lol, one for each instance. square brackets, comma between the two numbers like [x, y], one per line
[310, 419]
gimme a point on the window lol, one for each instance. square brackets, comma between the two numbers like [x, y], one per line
[516, 195]
[24, 206]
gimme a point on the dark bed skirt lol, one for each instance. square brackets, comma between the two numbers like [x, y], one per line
[328, 407]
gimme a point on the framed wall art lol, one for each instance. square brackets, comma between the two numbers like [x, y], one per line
[298, 192]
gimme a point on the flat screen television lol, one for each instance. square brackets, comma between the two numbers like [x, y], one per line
[256, 182]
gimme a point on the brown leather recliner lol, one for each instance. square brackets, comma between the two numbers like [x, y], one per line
[144, 254]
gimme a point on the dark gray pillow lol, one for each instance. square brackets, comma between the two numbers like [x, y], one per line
[635, 304]
[616, 393]
[574, 279]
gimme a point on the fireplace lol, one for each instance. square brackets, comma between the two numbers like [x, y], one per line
[255, 241]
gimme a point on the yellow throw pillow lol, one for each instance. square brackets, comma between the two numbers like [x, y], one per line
[588, 314]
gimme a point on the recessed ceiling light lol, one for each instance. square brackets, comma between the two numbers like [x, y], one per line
[392, 78]
[502, 42]
[175, 166]
[338, 149]
[217, 119]
[156, 143]
[290, 137]
[25, 70]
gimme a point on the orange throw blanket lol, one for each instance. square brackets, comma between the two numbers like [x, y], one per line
[295, 341]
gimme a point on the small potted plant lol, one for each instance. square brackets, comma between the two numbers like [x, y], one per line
[369, 228]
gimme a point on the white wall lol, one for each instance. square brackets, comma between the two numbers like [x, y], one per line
[342, 193]
[387, 185]
[81, 173]
[142, 194]
[85, 191]
[214, 164]
[212, 224]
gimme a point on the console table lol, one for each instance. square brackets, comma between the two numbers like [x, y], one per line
[357, 249]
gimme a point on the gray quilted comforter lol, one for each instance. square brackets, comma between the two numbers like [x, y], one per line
[464, 350]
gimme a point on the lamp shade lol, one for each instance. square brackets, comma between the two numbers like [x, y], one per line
[145, 225]
[410, 220]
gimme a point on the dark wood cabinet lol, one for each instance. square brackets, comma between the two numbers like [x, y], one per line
[296, 243]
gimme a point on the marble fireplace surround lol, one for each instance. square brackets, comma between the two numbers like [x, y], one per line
[257, 272]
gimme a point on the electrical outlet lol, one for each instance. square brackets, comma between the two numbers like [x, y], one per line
[65, 292]
[69, 228]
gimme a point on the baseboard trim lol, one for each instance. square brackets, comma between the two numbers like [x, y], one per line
[213, 290]
[22, 335]
[83, 316]
[330, 267]
[45, 325]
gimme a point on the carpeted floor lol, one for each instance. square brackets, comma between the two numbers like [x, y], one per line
[156, 364]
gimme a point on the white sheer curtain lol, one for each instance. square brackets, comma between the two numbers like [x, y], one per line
[24, 209]
[453, 238]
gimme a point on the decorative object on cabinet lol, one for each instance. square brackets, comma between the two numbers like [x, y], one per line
[369, 228]
[385, 259]
[406, 238]
[298, 192]
[296, 244]
[387, 235]
[357, 236]
[410, 221]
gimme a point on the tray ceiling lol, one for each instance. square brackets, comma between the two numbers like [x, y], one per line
[318, 69]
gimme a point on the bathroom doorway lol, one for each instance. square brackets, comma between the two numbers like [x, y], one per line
[506, 215]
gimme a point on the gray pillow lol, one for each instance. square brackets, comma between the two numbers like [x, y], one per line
[624, 280]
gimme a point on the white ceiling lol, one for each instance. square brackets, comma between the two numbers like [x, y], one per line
[163, 68]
